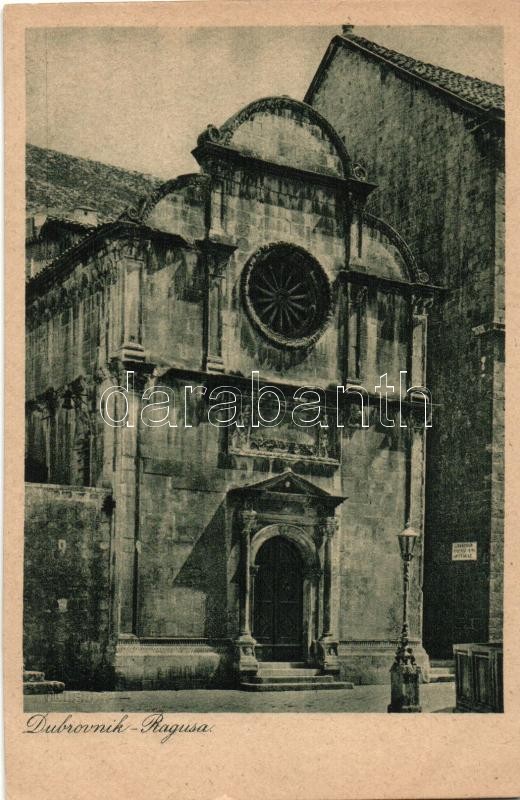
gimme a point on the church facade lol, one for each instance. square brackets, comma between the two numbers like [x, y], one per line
[179, 552]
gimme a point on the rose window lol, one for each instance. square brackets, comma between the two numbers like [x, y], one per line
[287, 295]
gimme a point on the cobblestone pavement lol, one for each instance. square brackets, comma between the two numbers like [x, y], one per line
[438, 697]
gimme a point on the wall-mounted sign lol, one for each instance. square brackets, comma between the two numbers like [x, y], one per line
[464, 551]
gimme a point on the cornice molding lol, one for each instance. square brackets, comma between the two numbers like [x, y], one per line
[62, 266]
[209, 151]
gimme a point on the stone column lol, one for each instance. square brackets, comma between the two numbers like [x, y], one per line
[214, 362]
[245, 661]
[51, 403]
[327, 646]
[420, 305]
[330, 528]
[314, 576]
[253, 572]
[248, 519]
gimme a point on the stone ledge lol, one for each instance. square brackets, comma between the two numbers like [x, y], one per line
[489, 327]
[43, 687]
[370, 662]
[173, 665]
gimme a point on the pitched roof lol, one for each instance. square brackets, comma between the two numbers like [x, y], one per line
[471, 92]
[60, 181]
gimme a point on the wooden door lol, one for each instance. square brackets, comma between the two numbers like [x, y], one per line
[277, 601]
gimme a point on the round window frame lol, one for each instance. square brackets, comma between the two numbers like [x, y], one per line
[274, 337]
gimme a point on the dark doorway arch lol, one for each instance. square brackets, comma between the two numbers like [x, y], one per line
[278, 601]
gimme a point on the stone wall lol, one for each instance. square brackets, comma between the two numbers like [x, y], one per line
[263, 209]
[439, 185]
[67, 585]
[78, 327]
[172, 305]
[188, 556]
[496, 588]
[75, 325]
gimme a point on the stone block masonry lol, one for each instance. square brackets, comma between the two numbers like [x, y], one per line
[200, 285]
[441, 184]
[67, 597]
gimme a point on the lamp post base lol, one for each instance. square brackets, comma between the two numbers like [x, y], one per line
[405, 679]
[246, 664]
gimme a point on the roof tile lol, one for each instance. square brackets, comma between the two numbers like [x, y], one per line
[480, 93]
[57, 180]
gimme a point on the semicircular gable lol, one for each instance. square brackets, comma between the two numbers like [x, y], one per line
[174, 206]
[195, 184]
[385, 254]
[284, 131]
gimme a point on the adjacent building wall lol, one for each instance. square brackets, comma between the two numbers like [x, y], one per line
[439, 185]
[68, 625]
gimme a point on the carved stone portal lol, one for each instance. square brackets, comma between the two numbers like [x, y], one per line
[302, 543]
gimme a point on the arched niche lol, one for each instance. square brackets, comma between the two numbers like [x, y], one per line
[295, 534]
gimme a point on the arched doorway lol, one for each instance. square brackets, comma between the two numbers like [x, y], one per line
[278, 601]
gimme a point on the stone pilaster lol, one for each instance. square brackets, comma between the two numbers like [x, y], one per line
[327, 646]
[420, 304]
[245, 660]
[356, 335]
[418, 420]
[216, 255]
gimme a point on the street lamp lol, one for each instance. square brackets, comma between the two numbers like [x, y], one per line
[405, 674]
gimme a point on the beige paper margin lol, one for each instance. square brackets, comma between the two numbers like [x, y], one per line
[271, 756]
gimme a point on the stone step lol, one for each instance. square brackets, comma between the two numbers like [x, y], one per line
[43, 687]
[32, 676]
[442, 671]
[441, 676]
[448, 664]
[296, 672]
[289, 677]
[293, 686]
[283, 665]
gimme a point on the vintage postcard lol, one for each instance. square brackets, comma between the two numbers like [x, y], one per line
[255, 409]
